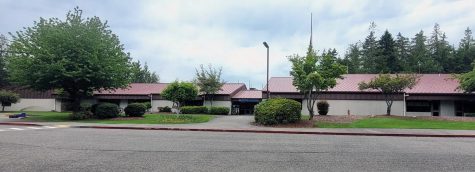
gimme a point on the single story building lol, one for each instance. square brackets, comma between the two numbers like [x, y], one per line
[434, 95]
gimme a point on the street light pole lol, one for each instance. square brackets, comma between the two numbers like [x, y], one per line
[267, 80]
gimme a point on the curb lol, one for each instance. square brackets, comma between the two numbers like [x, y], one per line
[282, 132]
[19, 124]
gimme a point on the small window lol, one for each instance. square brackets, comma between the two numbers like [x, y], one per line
[418, 106]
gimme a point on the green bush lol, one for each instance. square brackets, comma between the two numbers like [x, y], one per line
[148, 105]
[218, 110]
[323, 107]
[79, 115]
[194, 110]
[107, 110]
[85, 107]
[135, 109]
[165, 109]
[277, 111]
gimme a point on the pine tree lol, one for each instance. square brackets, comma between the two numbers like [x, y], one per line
[386, 61]
[439, 48]
[353, 58]
[369, 51]
[421, 62]
[402, 48]
[466, 52]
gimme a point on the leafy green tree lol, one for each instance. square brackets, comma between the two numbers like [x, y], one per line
[180, 92]
[7, 98]
[467, 81]
[3, 53]
[369, 51]
[77, 56]
[313, 74]
[390, 86]
[209, 81]
[421, 56]
[387, 61]
[143, 74]
[402, 48]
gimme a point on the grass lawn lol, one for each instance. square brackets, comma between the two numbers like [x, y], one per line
[148, 118]
[395, 122]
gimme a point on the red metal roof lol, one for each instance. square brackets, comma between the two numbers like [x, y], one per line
[230, 88]
[428, 83]
[248, 94]
[137, 89]
[157, 88]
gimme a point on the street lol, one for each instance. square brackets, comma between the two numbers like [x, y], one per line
[72, 149]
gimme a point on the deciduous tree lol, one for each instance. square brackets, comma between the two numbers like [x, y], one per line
[390, 86]
[78, 56]
[313, 74]
[7, 98]
[180, 92]
[209, 81]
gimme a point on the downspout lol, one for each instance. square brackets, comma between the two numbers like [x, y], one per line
[404, 99]
[151, 102]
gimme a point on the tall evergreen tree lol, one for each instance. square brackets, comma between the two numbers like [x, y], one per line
[421, 56]
[466, 52]
[352, 59]
[439, 48]
[369, 51]
[386, 61]
[143, 74]
[402, 47]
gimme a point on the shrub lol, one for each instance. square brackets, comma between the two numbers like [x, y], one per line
[107, 110]
[218, 110]
[135, 109]
[85, 107]
[148, 105]
[193, 110]
[79, 115]
[93, 108]
[165, 109]
[323, 107]
[277, 111]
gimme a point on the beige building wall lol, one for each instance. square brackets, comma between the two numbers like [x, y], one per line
[447, 108]
[33, 105]
[160, 103]
[358, 107]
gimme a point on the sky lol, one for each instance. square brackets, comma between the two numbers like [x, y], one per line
[174, 37]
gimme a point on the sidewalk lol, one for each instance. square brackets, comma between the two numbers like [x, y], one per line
[243, 124]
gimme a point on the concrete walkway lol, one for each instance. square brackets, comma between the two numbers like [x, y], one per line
[243, 124]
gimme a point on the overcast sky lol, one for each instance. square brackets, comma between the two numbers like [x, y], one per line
[174, 37]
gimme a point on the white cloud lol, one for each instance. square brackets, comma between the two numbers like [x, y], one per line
[174, 37]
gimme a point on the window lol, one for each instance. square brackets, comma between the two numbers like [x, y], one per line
[418, 106]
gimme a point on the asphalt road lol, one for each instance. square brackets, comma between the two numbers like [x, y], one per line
[70, 149]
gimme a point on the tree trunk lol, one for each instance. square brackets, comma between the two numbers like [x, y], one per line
[3, 108]
[388, 111]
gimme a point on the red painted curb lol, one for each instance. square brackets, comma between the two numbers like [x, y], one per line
[281, 131]
[19, 124]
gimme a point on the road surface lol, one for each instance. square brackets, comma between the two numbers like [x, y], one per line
[71, 149]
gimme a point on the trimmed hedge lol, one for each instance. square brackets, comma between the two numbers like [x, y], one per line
[135, 109]
[277, 111]
[165, 109]
[323, 107]
[107, 110]
[194, 110]
[218, 110]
